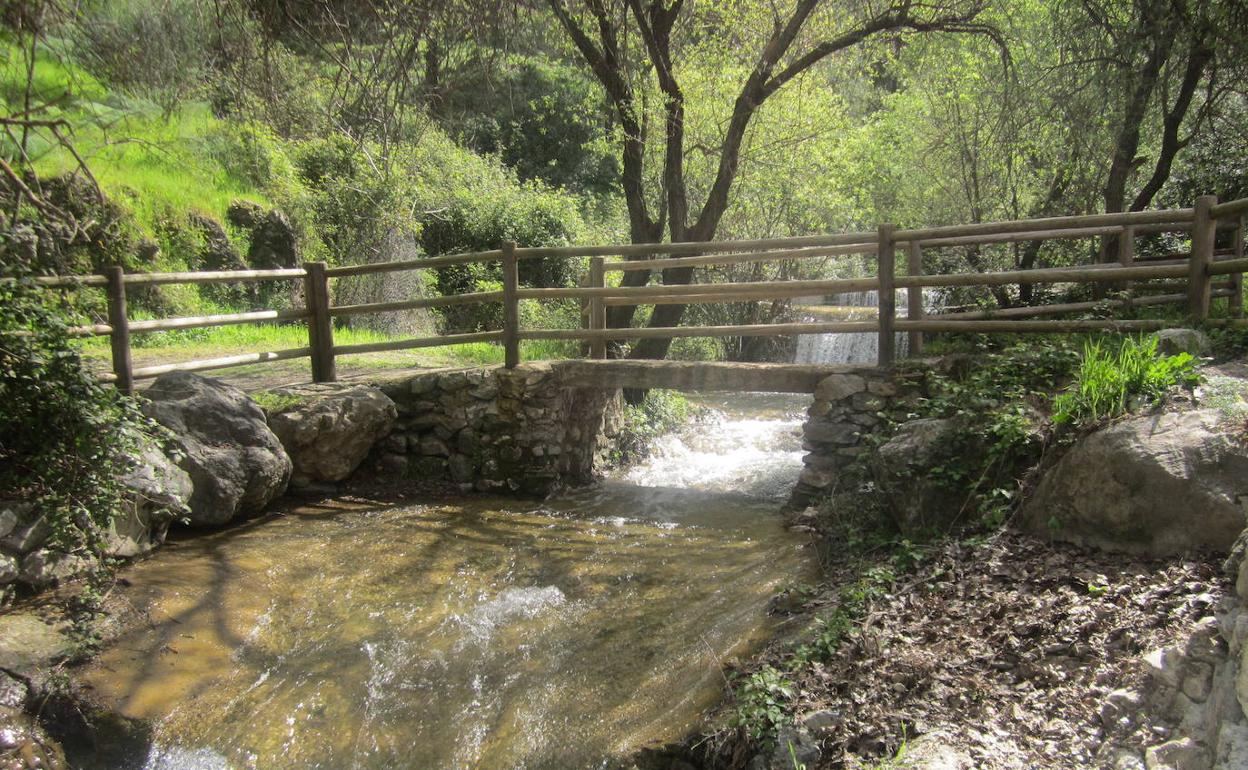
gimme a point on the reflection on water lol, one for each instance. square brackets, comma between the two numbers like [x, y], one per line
[487, 634]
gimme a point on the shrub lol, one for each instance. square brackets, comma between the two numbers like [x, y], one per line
[1110, 381]
[762, 704]
[662, 411]
[155, 49]
[64, 439]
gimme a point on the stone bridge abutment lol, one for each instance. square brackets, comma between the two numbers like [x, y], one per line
[544, 425]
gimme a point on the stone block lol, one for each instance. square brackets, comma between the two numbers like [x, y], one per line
[460, 467]
[837, 387]
[431, 446]
[831, 432]
[1164, 665]
[885, 388]
[1179, 754]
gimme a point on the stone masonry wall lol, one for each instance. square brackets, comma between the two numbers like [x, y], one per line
[519, 431]
[849, 407]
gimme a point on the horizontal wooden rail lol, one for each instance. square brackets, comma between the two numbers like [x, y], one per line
[426, 263]
[1046, 235]
[1229, 209]
[1227, 266]
[213, 276]
[417, 342]
[1099, 273]
[1041, 327]
[220, 363]
[1049, 223]
[747, 330]
[228, 319]
[737, 290]
[695, 247]
[69, 281]
[1067, 307]
[413, 304]
[91, 330]
[733, 259]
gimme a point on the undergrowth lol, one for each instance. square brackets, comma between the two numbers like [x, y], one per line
[660, 412]
[1113, 379]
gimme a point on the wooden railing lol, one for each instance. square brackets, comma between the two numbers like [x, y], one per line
[1190, 278]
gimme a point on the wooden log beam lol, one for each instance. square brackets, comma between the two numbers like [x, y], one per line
[214, 276]
[753, 289]
[1049, 223]
[221, 363]
[427, 263]
[1042, 327]
[417, 342]
[745, 330]
[119, 339]
[511, 307]
[733, 259]
[1100, 273]
[412, 304]
[202, 321]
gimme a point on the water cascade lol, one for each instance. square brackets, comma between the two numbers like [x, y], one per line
[483, 633]
[847, 348]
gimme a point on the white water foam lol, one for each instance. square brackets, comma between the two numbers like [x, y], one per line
[757, 457]
[510, 604]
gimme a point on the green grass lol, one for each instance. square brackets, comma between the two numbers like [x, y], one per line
[156, 166]
[1111, 378]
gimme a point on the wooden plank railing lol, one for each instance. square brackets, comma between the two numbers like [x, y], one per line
[1191, 278]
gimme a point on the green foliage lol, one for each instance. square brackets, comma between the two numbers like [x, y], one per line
[761, 700]
[1111, 378]
[154, 49]
[270, 401]
[662, 411]
[64, 439]
[998, 406]
[543, 117]
[853, 603]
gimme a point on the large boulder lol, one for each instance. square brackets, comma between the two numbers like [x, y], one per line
[157, 493]
[328, 434]
[1163, 484]
[274, 243]
[917, 501]
[237, 465]
[1172, 342]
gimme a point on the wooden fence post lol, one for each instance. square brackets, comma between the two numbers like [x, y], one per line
[914, 295]
[320, 325]
[511, 307]
[1204, 229]
[886, 268]
[597, 308]
[1236, 300]
[120, 336]
[1126, 252]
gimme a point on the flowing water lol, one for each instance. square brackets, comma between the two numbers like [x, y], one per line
[488, 633]
[849, 347]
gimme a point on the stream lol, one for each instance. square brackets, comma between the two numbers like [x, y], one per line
[488, 633]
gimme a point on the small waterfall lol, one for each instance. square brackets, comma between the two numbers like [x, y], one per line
[749, 444]
[853, 347]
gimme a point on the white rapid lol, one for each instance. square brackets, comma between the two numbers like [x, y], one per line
[750, 443]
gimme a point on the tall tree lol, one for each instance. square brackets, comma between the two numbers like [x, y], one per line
[634, 45]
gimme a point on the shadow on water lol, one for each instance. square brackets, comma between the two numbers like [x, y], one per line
[483, 633]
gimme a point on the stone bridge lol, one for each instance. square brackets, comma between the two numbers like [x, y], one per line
[542, 425]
